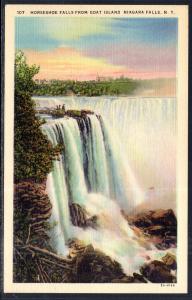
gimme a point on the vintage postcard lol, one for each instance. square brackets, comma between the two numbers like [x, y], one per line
[95, 177]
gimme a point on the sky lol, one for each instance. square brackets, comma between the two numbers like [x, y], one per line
[87, 47]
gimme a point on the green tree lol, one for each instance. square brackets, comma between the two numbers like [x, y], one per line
[33, 153]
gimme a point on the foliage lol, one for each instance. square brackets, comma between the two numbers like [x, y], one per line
[119, 86]
[33, 152]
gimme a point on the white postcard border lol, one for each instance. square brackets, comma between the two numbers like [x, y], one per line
[177, 11]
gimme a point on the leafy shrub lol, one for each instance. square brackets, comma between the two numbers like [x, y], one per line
[33, 153]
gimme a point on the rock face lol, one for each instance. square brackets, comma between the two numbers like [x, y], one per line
[93, 266]
[78, 113]
[79, 216]
[32, 209]
[84, 264]
[157, 272]
[60, 112]
[160, 226]
[69, 113]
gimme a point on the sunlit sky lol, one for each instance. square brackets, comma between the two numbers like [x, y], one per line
[85, 48]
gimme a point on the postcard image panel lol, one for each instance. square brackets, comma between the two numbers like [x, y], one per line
[96, 148]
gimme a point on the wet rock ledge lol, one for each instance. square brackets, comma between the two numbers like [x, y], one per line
[80, 217]
[159, 227]
[59, 113]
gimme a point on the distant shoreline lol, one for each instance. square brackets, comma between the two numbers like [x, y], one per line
[123, 87]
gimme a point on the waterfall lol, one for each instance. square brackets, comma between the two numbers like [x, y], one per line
[124, 187]
[89, 163]
[108, 161]
[146, 127]
[57, 191]
[97, 160]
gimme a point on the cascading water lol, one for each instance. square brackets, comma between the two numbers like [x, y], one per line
[146, 128]
[57, 191]
[94, 170]
[88, 146]
[124, 187]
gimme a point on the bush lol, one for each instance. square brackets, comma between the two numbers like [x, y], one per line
[33, 153]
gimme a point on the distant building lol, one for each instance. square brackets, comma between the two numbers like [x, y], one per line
[103, 78]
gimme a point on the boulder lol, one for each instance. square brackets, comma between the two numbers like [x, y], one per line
[166, 242]
[91, 265]
[164, 217]
[160, 226]
[140, 220]
[157, 272]
[170, 260]
[78, 215]
[149, 218]
[80, 218]
[94, 266]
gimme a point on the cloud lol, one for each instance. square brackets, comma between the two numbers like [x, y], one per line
[137, 48]
[68, 63]
[62, 29]
[44, 33]
[138, 57]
